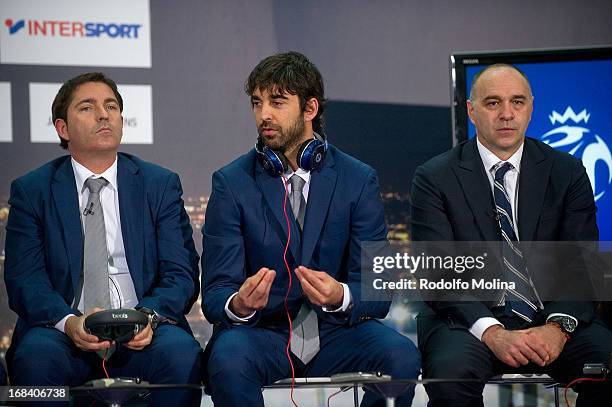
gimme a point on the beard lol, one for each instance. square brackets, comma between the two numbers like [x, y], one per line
[285, 139]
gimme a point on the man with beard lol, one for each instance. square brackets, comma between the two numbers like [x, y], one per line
[292, 212]
[99, 229]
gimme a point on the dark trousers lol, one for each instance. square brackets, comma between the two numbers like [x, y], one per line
[452, 352]
[2, 373]
[243, 359]
[46, 356]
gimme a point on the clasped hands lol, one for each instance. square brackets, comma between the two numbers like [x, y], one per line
[318, 286]
[75, 329]
[540, 345]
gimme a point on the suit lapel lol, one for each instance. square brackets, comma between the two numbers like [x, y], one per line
[477, 190]
[274, 193]
[322, 185]
[66, 199]
[535, 170]
[131, 210]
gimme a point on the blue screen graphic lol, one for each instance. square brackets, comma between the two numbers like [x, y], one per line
[573, 113]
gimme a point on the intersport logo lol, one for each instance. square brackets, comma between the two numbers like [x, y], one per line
[78, 29]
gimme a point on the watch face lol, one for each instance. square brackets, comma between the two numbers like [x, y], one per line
[569, 324]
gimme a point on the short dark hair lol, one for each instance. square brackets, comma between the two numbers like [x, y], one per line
[293, 73]
[59, 108]
[495, 66]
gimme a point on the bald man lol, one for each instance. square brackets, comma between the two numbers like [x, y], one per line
[535, 193]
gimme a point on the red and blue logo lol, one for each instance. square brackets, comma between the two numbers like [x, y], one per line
[14, 26]
[56, 28]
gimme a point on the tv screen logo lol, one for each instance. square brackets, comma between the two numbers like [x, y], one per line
[581, 142]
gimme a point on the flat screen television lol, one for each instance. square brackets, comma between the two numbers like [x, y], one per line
[572, 90]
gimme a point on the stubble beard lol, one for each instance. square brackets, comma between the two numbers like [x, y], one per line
[285, 142]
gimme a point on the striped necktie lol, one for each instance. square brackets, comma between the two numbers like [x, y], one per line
[523, 301]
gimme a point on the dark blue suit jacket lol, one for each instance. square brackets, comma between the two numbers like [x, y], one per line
[44, 242]
[452, 201]
[246, 229]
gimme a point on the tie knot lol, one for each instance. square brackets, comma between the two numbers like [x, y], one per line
[501, 170]
[297, 183]
[95, 184]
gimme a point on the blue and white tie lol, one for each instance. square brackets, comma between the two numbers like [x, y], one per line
[523, 301]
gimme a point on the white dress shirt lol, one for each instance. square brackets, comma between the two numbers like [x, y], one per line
[347, 299]
[490, 160]
[121, 286]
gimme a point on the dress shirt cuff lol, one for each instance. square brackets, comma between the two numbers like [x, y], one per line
[60, 326]
[482, 324]
[347, 300]
[560, 314]
[234, 317]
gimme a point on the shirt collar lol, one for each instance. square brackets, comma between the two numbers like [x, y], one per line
[81, 174]
[305, 175]
[490, 160]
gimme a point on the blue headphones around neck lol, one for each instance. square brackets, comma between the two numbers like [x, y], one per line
[311, 155]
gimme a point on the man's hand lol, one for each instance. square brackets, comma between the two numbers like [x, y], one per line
[320, 288]
[515, 348]
[75, 330]
[141, 339]
[253, 294]
[550, 337]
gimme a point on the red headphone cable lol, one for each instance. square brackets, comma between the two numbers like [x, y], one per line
[288, 347]
[104, 364]
[579, 380]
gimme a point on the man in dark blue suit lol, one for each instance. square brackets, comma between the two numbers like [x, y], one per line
[293, 184]
[502, 186]
[148, 258]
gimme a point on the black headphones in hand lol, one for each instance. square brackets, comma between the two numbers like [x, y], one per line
[119, 325]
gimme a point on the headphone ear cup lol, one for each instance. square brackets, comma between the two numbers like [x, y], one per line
[108, 331]
[274, 164]
[318, 156]
[311, 154]
[303, 156]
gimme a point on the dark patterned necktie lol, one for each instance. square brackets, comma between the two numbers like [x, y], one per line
[523, 299]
